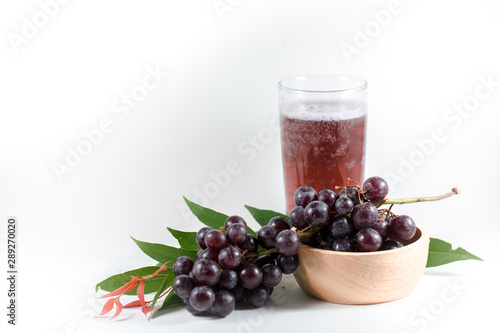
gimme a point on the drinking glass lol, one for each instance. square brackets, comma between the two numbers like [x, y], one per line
[323, 120]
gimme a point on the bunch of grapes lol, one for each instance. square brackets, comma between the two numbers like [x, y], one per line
[233, 266]
[349, 220]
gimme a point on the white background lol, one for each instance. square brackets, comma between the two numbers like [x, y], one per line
[67, 75]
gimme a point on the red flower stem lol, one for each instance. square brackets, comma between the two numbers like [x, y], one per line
[166, 292]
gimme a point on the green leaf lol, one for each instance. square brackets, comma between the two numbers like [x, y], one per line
[210, 217]
[116, 281]
[163, 253]
[262, 216]
[187, 240]
[441, 253]
[207, 216]
[167, 282]
[171, 300]
[251, 232]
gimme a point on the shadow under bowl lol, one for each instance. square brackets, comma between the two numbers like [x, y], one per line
[363, 277]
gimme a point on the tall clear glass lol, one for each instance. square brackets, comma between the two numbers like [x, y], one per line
[323, 120]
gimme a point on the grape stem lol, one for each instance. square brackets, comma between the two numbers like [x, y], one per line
[258, 254]
[388, 201]
[309, 233]
[303, 230]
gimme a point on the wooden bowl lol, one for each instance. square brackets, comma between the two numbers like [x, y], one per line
[363, 277]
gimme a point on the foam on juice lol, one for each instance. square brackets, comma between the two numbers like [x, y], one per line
[324, 111]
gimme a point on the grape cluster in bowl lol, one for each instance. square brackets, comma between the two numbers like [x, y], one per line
[350, 219]
[233, 266]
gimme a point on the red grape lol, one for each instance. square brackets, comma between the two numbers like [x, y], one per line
[352, 193]
[206, 272]
[279, 223]
[367, 239]
[249, 276]
[183, 265]
[234, 219]
[228, 279]
[258, 296]
[271, 275]
[230, 257]
[215, 240]
[202, 298]
[297, 218]
[341, 227]
[364, 215]
[224, 303]
[182, 285]
[343, 205]
[200, 237]
[288, 265]
[236, 233]
[402, 227]
[267, 236]
[375, 188]
[382, 227]
[343, 245]
[328, 197]
[317, 214]
[288, 243]
[304, 195]
[390, 244]
[250, 244]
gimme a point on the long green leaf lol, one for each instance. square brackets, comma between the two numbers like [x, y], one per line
[210, 217]
[167, 282]
[187, 240]
[163, 253]
[262, 216]
[206, 215]
[116, 281]
[440, 253]
[171, 300]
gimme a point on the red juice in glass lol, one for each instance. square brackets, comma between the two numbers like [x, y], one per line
[322, 132]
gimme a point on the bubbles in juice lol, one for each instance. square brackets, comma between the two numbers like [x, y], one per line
[322, 145]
